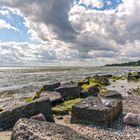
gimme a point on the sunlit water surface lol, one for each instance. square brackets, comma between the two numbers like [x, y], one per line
[19, 82]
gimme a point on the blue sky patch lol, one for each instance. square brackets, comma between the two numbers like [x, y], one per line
[108, 4]
[7, 35]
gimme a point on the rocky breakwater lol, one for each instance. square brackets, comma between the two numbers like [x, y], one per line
[10, 116]
[26, 129]
[97, 111]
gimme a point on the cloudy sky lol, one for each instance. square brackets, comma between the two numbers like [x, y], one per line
[69, 32]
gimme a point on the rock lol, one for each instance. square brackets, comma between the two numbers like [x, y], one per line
[94, 110]
[101, 80]
[106, 76]
[132, 119]
[10, 116]
[92, 91]
[133, 77]
[83, 83]
[60, 111]
[26, 129]
[110, 94]
[69, 91]
[55, 97]
[39, 117]
[50, 87]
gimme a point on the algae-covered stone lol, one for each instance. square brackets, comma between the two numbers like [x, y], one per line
[26, 129]
[91, 91]
[101, 80]
[94, 110]
[60, 110]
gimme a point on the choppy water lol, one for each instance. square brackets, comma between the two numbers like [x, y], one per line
[17, 82]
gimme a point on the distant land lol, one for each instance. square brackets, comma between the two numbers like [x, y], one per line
[136, 63]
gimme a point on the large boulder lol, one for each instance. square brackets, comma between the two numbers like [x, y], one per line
[70, 91]
[50, 86]
[101, 80]
[110, 94]
[132, 119]
[91, 91]
[10, 116]
[26, 129]
[94, 110]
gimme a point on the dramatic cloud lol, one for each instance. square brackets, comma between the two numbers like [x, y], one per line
[47, 16]
[76, 32]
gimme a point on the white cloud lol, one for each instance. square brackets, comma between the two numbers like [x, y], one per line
[78, 34]
[94, 3]
[5, 25]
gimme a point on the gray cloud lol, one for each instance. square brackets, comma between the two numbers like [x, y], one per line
[80, 33]
[52, 13]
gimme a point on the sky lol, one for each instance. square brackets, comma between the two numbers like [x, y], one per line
[69, 32]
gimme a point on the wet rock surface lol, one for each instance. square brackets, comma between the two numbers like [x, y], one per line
[26, 129]
[10, 116]
[93, 110]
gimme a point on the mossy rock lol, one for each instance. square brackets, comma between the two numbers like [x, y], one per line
[115, 78]
[60, 110]
[36, 96]
[70, 103]
[135, 91]
[28, 99]
[65, 107]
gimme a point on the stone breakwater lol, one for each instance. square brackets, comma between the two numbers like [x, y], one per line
[87, 103]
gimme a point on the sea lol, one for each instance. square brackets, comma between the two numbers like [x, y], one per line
[17, 83]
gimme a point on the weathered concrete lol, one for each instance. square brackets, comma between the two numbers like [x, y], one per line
[42, 105]
[26, 129]
[94, 110]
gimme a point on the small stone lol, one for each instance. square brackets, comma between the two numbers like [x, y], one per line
[132, 119]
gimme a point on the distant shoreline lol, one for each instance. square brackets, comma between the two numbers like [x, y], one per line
[133, 64]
